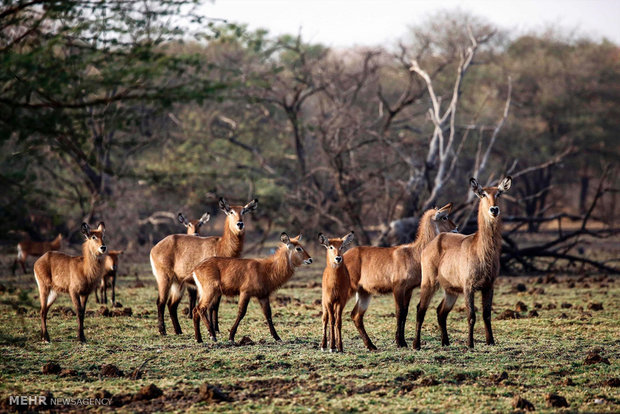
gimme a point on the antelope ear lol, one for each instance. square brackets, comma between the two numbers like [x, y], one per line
[323, 240]
[505, 184]
[476, 188]
[224, 206]
[85, 230]
[443, 212]
[101, 227]
[182, 219]
[285, 239]
[205, 217]
[346, 241]
[251, 206]
[298, 238]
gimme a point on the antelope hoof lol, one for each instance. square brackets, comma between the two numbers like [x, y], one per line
[332, 350]
[323, 349]
[371, 347]
[214, 339]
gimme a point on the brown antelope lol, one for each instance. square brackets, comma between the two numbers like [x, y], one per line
[465, 264]
[336, 288]
[27, 248]
[379, 270]
[193, 226]
[109, 277]
[193, 229]
[174, 258]
[247, 278]
[76, 275]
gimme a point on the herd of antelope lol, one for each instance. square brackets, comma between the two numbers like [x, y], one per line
[210, 267]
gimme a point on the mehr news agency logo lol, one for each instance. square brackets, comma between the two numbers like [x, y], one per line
[46, 400]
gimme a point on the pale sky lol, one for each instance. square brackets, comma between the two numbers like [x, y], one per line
[343, 23]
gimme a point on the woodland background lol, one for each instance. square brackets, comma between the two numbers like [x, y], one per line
[130, 112]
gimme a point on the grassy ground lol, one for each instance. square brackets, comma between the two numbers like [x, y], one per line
[539, 355]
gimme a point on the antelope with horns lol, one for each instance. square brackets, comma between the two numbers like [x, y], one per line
[465, 264]
[27, 248]
[247, 278]
[78, 276]
[174, 258]
[193, 226]
[336, 288]
[110, 267]
[377, 270]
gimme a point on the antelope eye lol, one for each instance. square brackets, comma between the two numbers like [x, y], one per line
[298, 249]
[94, 237]
[444, 218]
[331, 247]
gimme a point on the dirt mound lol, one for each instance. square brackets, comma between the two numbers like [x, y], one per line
[208, 392]
[62, 310]
[595, 357]
[533, 314]
[148, 392]
[51, 368]
[429, 381]
[555, 400]
[246, 341]
[520, 287]
[121, 312]
[612, 382]
[567, 382]
[521, 307]
[508, 314]
[68, 372]
[522, 404]
[111, 371]
[595, 306]
[104, 311]
[498, 378]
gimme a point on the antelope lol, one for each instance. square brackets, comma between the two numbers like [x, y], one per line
[247, 278]
[465, 264]
[379, 270]
[193, 229]
[109, 277]
[336, 288]
[76, 275]
[174, 258]
[193, 226]
[27, 248]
